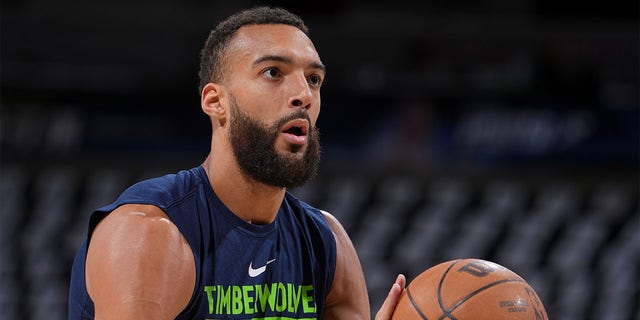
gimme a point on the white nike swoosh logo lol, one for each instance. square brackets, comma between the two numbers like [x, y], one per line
[258, 271]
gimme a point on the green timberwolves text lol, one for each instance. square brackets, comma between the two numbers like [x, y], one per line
[283, 298]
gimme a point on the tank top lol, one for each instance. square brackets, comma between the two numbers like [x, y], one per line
[283, 270]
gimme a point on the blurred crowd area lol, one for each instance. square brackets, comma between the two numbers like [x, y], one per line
[503, 130]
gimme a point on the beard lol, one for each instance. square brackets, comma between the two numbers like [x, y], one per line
[253, 145]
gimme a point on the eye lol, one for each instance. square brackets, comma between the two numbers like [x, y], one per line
[271, 73]
[315, 80]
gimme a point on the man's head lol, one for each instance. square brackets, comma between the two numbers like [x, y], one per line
[263, 95]
[212, 64]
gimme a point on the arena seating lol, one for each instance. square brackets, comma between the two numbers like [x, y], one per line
[575, 240]
[515, 124]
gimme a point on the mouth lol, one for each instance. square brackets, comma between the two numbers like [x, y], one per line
[296, 131]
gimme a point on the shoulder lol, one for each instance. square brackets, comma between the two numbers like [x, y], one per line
[135, 222]
[333, 222]
[137, 257]
[344, 245]
[164, 190]
[348, 298]
[307, 212]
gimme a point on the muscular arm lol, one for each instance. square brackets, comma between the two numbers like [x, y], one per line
[139, 266]
[348, 298]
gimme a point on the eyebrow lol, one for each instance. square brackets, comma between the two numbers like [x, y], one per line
[315, 65]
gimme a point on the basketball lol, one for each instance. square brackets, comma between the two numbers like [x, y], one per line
[469, 289]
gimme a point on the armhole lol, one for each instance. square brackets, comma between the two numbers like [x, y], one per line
[332, 259]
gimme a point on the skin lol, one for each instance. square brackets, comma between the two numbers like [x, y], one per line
[138, 263]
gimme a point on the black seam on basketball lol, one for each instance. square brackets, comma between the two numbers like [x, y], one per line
[493, 284]
[445, 312]
[415, 306]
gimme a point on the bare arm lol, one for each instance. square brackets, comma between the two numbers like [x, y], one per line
[139, 266]
[348, 298]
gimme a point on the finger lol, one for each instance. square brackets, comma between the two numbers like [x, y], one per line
[389, 304]
[401, 280]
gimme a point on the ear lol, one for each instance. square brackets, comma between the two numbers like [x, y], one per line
[211, 102]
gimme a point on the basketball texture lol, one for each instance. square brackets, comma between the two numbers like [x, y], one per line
[469, 289]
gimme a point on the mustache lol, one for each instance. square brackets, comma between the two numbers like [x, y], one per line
[298, 114]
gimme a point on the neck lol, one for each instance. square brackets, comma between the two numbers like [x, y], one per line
[248, 199]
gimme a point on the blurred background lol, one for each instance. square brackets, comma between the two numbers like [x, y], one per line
[506, 130]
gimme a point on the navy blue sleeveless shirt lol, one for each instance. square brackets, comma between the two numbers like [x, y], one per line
[283, 270]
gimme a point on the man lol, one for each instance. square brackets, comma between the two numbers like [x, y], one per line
[225, 240]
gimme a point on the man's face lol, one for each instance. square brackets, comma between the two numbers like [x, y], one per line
[254, 143]
[273, 80]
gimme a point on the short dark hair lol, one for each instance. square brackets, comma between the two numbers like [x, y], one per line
[212, 53]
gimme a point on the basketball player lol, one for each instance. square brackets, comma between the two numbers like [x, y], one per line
[225, 240]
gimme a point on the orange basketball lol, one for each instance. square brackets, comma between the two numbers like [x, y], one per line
[469, 289]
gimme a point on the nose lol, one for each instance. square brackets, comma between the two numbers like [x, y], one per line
[302, 95]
